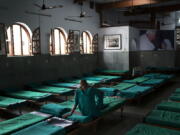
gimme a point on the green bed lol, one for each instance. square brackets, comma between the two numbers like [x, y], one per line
[169, 106]
[177, 91]
[113, 72]
[51, 89]
[137, 80]
[135, 91]
[62, 84]
[144, 129]
[175, 97]
[29, 95]
[12, 125]
[110, 103]
[102, 78]
[123, 86]
[91, 82]
[159, 76]
[164, 118]
[42, 128]
[6, 102]
[108, 91]
[154, 82]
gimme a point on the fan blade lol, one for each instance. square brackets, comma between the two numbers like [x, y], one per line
[51, 7]
[34, 13]
[73, 16]
[37, 5]
[73, 20]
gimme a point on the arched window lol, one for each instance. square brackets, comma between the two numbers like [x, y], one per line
[58, 42]
[19, 40]
[87, 42]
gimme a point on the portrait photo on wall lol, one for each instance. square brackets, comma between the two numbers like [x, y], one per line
[156, 40]
[113, 42]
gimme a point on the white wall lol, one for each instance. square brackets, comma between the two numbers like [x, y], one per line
[16, 9]
[114, 59]
[124, 31]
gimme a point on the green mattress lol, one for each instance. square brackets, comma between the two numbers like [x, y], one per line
[153, 82]
[110, 103]
[30, 95]
[42, 128]
[137, 80]
[169, 106]
[135, 91]
[54, 109]
[20, 122]
[61, 84]
[94, 79]
[7, 101]
[164, 118]
[144, 129]
[108, 76]
[170, 69]
[108, 91]
[122, 86]
[175, 97]
[177, 90]
[159, 76]
[88, 81]
[50, 89]
[114, 71]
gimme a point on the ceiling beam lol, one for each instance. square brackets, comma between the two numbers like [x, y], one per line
[128, 3]
[168, 8]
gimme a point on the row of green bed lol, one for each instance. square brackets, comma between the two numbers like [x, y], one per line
[138, 86]
[163, 120]
[40, 122]
[45, 91]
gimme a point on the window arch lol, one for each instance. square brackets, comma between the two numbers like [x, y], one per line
[58, 41]
[87, 42]
[19, 40]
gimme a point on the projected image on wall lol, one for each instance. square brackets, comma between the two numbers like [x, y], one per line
[152, 40]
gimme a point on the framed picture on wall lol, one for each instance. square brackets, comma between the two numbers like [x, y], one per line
[113, 42]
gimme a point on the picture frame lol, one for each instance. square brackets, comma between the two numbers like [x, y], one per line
[113, 42]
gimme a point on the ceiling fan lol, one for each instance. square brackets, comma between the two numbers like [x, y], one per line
[39, 14]
[44, 7]
[82, 13]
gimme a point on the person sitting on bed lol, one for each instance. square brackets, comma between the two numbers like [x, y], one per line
[88, 99]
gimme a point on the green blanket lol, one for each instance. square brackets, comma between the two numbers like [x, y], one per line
[51, 89]
[122, 86]
[7, 101]
[20, 122]
[164, 118]
[137, 80]
[143, 129]
[169, 106]
[42, 128]
[31, 95]
[135, 91]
